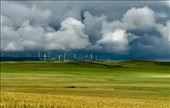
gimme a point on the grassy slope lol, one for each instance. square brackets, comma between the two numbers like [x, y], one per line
[127, 80]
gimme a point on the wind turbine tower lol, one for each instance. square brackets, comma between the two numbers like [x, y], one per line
[45, 57]
[74, 57]
[91, 56]
[59, 58]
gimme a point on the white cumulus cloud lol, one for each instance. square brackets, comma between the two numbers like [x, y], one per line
[70, 36]
[139, 18]
[115, 41]
[164, 30]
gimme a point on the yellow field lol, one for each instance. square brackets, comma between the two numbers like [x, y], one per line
[30, 100]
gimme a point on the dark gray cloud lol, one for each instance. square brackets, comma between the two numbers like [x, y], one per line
[116, 27]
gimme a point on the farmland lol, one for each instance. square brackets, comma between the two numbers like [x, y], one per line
[128, 84]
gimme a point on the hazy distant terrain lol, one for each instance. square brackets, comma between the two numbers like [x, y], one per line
[133, 84]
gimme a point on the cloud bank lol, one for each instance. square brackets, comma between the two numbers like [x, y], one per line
[140, 29]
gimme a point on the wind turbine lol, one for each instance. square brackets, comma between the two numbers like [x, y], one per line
[74, 57]
[91, 56]
[45, 57]
[59, 58]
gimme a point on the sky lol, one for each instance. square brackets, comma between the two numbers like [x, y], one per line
[129, 28]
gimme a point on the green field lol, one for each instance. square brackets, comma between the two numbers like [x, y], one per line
[128, 84]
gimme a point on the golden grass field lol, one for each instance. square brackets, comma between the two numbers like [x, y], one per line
[30, 100]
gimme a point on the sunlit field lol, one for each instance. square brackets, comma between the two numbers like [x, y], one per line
[130, 84]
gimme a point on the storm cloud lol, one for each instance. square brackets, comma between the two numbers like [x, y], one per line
[112, 26]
